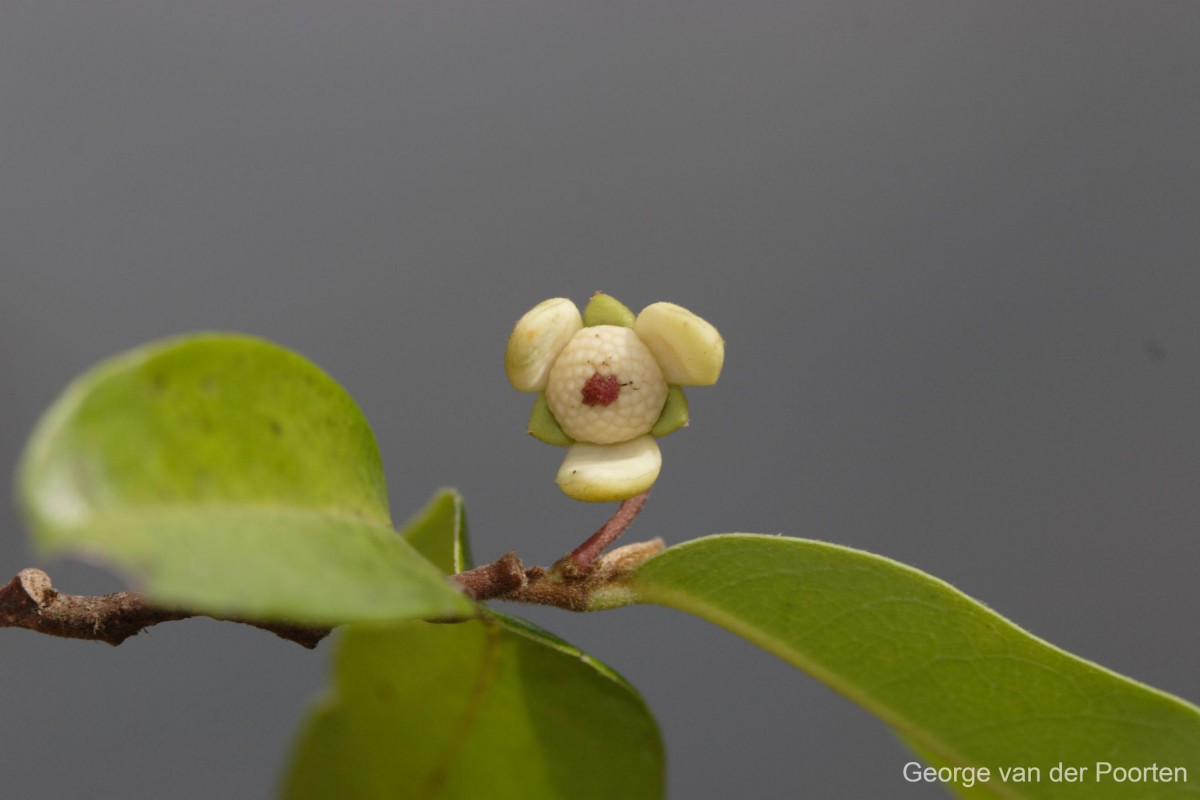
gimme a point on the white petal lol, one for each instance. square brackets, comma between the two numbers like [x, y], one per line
[602, 473]
[688, 348]
[536, 341]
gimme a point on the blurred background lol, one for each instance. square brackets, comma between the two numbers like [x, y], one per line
[952, 248]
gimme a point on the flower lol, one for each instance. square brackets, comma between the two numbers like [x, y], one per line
[608, 385]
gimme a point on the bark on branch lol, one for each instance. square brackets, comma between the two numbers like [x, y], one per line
[582, 580]
[30, 601]
[562, 585]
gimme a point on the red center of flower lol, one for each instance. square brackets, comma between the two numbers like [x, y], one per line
[601, 390]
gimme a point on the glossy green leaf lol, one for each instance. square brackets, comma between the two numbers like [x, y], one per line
[439, 532]
[975, 791]
[487, 709]
[956, 680]
[229, 476]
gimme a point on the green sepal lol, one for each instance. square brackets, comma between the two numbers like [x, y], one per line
[604, 309]
[674, 414]
[544, 427]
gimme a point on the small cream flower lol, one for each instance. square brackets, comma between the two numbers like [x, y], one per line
[608, 384]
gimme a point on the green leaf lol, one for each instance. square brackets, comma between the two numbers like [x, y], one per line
[230, 476]
[955, 680]
[439, 532]
[976, 791]
[493, 708]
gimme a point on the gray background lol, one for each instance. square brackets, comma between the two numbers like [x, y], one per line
[952, 247]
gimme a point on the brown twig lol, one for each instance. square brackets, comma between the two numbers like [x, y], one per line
[574, 579]
[498, 578]
[582, 580]
[563, 586]
[30, 601]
